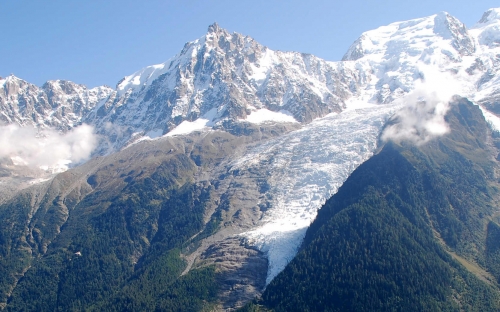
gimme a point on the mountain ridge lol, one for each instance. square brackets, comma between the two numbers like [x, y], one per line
[371, 71]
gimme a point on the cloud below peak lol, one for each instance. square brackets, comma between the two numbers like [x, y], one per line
[47, 148]
[422, 117]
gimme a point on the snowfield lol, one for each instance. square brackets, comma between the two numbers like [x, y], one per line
[308, 166]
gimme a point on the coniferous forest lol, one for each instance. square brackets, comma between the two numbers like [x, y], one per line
[89, 267]
[412, 229]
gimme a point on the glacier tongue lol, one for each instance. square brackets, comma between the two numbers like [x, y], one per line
[308, 166]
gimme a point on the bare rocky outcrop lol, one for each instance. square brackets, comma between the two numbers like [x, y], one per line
[242, 274]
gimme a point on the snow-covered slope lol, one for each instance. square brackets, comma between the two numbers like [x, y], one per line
[308, 166]
[487, 64]
[224, 78]
[400, 54]
[58, 104]
[396, 53]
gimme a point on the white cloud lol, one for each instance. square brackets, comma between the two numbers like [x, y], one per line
[422, 116]
[47, 148]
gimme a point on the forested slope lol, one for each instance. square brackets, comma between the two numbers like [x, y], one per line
[412, 229]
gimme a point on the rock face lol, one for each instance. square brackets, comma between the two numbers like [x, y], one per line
[57, 104]
[242, 268]
[223, 78]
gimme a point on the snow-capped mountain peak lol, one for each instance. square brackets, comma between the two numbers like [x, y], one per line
[396, 53]
[140, 78]
[58, 104]
[215, 28]
[490, 16]
[413, 37]
[216, 37]
[450, 28]
[229, 75]
[487, 30]
[10, 77]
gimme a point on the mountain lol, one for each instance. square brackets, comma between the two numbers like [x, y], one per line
[121, 219]
[218, 80]
[57, 104]
[208, 170]
[400, 53]
[413, 228]
[222, 78]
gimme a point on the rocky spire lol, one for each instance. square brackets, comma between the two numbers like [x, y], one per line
[214, 28]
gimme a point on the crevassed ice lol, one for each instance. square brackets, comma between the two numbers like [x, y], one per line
[308, 166]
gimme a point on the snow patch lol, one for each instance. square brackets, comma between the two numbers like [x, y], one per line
[265, 63]
[187, 127]
[18, 161]
[201, 123]
[143, 77]
[264, 115]
[38, 181]
[492, 119]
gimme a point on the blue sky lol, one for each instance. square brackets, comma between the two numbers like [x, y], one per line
[98, 42]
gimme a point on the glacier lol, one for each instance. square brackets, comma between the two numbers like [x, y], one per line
[308, 166]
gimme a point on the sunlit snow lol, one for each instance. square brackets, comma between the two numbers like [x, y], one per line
[268, 59]
[142, 77]
[201, 123]
[38, 181]
[186, 127]
[492, 119]
[308, 166]
[263, 115]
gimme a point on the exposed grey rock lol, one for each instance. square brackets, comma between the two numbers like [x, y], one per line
[242, 271]
[57, 104]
